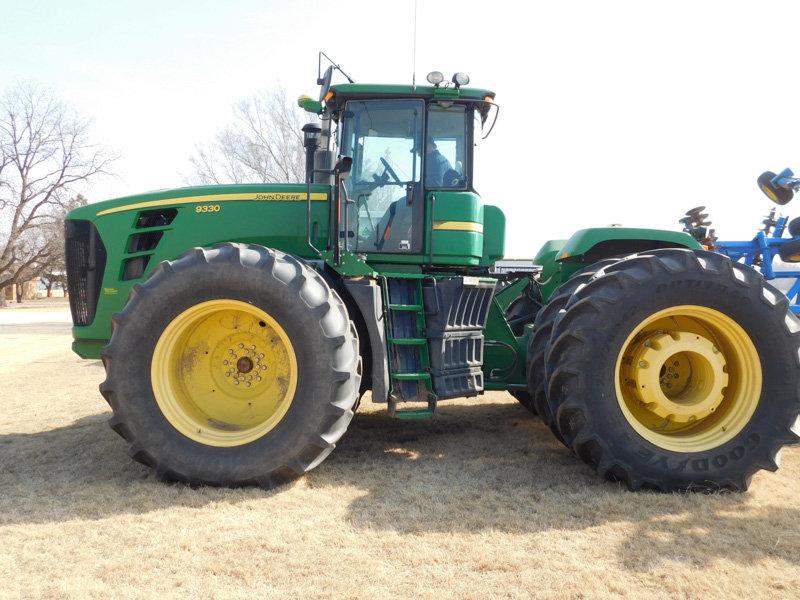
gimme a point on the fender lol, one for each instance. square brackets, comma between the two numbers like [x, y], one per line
[561, 259]
[597, 243]
[366, 295]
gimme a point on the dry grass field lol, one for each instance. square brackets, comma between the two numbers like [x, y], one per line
[479, 502]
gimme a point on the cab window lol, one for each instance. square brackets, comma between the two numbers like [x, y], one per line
[445, 148]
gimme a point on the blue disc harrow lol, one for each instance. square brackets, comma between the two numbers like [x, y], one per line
[769, 242]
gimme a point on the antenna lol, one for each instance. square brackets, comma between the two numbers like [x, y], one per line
[414, 53]
[320, 79]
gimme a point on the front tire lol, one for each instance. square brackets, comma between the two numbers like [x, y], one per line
[524, 398]
[676, 370]
[232, 366]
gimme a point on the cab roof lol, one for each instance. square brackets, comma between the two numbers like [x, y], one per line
[346, 91]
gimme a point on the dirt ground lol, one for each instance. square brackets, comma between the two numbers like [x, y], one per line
[479, 502]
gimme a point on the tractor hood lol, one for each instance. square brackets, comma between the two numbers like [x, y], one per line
[189, 197]
[113, 245]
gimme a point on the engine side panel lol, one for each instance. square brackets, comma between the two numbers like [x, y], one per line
[139, 232]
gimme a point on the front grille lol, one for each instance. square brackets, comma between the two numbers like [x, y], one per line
[86, 260]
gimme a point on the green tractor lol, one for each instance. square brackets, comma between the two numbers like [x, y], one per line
[240, 325]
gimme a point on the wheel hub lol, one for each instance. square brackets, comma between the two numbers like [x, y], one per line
[240, 360]
[679, 376]
[244, 365]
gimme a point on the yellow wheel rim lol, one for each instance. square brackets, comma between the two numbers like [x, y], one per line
[224, 373]
[688, 378]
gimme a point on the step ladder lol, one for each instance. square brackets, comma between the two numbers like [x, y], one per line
[409, 357]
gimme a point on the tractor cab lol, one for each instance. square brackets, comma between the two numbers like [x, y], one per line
[407, 195]
[390, 153]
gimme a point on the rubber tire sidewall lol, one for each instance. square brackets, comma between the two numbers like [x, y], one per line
[535, 374]
[189, 283]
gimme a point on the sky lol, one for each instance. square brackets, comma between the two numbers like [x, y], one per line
[618, 111]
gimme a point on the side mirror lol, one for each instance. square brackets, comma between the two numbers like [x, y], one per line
[343, 166]
[778, 195]
[325, 83]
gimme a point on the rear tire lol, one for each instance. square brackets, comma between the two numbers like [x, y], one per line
[219, 437]
[753, 385]
[537, 344]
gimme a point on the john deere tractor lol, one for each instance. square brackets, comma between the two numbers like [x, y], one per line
[240, 325]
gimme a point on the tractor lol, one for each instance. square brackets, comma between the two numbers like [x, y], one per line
[240, 325]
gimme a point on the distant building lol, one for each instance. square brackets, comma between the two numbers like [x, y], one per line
[30, 290]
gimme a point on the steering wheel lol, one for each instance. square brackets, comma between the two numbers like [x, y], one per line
[390, 171]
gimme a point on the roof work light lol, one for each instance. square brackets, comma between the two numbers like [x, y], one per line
[435, 77]
[460, 79]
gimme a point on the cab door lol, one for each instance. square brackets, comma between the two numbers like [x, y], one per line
[454, 223]
[385, 213]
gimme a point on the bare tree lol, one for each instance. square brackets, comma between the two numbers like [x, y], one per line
[264, 144]
[44, 153]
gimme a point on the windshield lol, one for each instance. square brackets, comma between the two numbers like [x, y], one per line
[384, 139]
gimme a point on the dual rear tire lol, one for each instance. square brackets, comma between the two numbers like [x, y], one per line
[671, 370]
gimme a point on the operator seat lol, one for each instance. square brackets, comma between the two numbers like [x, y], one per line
[452, 179]
[394, 229]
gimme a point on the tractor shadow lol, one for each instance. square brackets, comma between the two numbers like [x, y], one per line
[474, 468]
[82, 471]
[496, 467]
